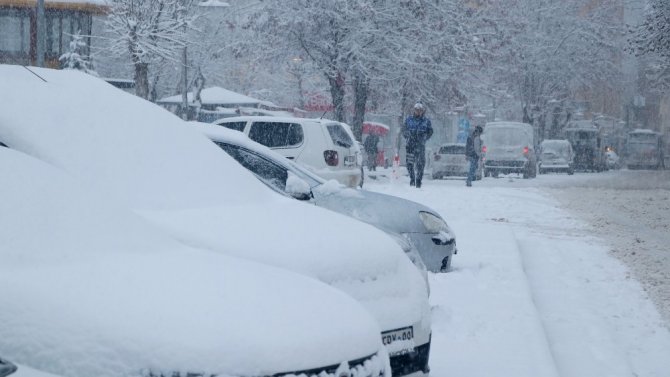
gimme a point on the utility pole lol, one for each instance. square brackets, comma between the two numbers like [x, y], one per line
[41, 34]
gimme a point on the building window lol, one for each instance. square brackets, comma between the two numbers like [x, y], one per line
[14, 32]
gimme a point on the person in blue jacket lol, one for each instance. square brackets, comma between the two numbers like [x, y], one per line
[416, 130]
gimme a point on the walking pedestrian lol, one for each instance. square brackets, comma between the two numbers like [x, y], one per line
[370, 146]
[416, 130]
[473, 151]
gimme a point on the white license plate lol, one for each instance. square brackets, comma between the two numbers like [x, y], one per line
[349, 160]
[399, 335]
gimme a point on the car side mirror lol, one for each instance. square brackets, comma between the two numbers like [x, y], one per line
[6, 368]
[297, 187]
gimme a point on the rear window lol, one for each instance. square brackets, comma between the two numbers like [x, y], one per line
[452, 149]
[508, 136]
[276, 134]
[237, 126]
[340, 136]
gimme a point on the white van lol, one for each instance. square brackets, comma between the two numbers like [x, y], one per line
[326, 147]
[509, 147]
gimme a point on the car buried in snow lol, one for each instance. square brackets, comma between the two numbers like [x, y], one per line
[174, 177]
[88, 288]
[428, 234]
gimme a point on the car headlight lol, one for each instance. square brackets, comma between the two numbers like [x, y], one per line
[433, 224]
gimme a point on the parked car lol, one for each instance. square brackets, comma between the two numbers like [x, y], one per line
[177, 179]
[426, 230]
[88, 288]
[556, 156]
[326, 147]
[450, 160]
[509, 147]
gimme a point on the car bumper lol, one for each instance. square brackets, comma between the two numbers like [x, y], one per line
[506, 166]
[417, 361]
[446, 170]
[436, 255]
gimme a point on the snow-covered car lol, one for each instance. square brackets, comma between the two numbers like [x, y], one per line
[450, 160]
[6, 368]
[88, 288]
[509, 147]
[175, 177]
[428, 233]
[556, 156]
[327, 147]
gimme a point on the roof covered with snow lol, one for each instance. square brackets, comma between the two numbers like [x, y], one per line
[215, 96]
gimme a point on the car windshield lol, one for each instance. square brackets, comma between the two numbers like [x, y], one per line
[556, 147]
[507, 137]
[640, 138]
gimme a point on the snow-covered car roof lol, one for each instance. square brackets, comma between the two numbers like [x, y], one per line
[173, 175]
[88, 288]
[258, 118]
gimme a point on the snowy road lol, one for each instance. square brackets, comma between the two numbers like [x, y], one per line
[534, 291]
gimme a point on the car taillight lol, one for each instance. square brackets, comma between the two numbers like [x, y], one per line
[525, 150]
[484, 149]
[331, 157]
[437, 157]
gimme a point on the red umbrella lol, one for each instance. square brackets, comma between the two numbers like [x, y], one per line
[374, 128]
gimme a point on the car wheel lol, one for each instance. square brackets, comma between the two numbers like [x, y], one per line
[446, 264]
[437, 176]
[494, 174]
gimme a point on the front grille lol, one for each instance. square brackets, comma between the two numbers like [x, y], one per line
[412, 362]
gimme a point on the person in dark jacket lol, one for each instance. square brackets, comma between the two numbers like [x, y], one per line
[416, 130]
[370, 146]
[473, 151]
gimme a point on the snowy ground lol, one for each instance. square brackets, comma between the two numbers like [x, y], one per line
[546, 282]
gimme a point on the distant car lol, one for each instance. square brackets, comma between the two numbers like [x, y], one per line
[450, 160]
[509, 147]
[175, 178]
[423, 227]
[89, 288]
[326, 147]
[556, 156]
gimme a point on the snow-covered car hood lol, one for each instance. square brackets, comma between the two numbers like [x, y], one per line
[90, 289]
[144, 156]
[355, 257]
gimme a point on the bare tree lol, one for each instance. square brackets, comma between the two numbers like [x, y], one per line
[148, 30]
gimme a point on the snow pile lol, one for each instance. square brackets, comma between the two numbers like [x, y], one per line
[535, 293]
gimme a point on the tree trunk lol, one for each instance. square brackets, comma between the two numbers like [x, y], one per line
[361, 86]
[142, 80]
[337, 94]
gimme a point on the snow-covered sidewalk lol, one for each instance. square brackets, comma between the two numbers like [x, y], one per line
[531, 292]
